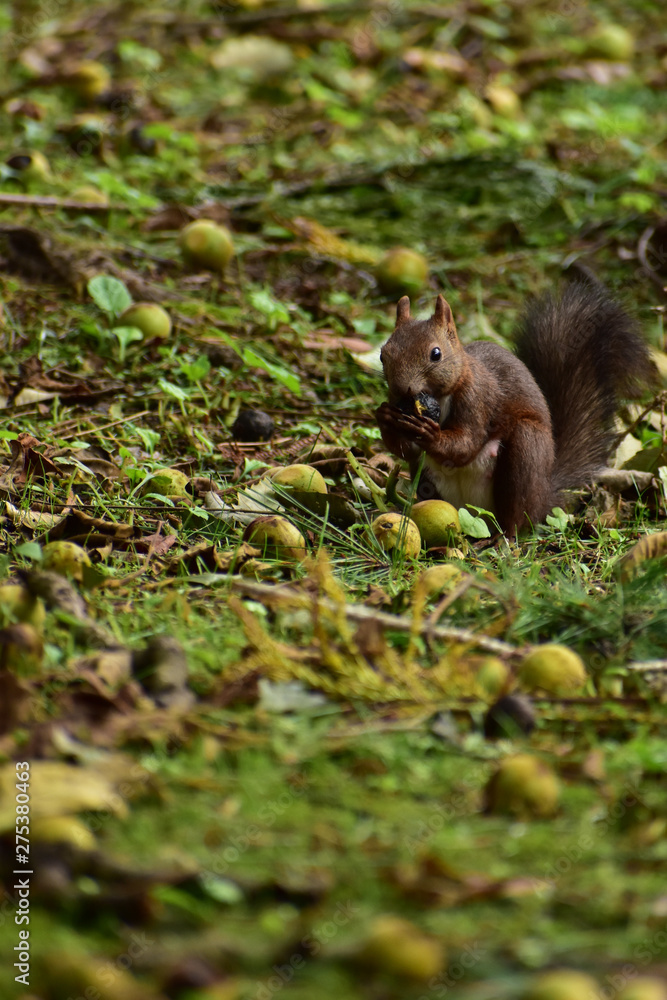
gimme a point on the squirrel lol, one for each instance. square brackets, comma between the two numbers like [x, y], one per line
[509, 431]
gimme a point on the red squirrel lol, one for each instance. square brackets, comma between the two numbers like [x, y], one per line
[514, 430]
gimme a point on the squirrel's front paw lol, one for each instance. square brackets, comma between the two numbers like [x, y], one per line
[387, 415]
[422, 430]
[388, 419]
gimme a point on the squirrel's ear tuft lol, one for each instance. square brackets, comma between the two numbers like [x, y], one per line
[443, 313]
[403, 310]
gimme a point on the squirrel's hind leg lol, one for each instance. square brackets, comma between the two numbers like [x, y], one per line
[522, 483]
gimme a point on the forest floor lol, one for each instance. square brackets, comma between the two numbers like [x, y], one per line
[249, 776]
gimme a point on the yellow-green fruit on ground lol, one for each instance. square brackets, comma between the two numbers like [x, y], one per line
[437, 579]
[437, 520]
[151, 319]
[89, 79]
[398, 949]
[402, 271]
[503, 100]
[394, 531]
[562, 984]
[21, 649]
[70, 973]
[276, 536]
[611, 41]
[167, 483]
[18, 604]
[492, 677]
[523, 786]
[65, 558]
[30, 166]
[552, 668]
[300, 477]
[91, 195]
[644, 988]
[257, 57]
[205, 244]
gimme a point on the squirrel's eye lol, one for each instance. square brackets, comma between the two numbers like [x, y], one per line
[436, 354]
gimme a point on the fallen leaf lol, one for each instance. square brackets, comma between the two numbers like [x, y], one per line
[650, 547]
[59, 789]
[207, 557]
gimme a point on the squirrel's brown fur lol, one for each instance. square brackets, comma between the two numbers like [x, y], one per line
[515, 429]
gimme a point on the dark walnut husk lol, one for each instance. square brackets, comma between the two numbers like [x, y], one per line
[422, 405]
[253, 425]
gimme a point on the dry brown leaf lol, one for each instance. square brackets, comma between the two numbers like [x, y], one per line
[650, 547]
[212, 559]
[113, 666]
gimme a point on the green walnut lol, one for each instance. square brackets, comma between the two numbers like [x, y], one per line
[493, 677]
[552, 668]
[167, 483]
[90, 195]
[644, 988]
[300, 477]
[205, 244]
[504, 101]
[89, 79]
[18, 604]
[523, 786]
[437, 579]
[398, 949]
[65, 558]
[438, 522]
[30, 166]
[402, 271]
[562, 984]
[150, 318]
[397, 532]
[277, 537]
[611, 41]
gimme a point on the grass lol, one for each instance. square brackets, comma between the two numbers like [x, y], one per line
[251, 848]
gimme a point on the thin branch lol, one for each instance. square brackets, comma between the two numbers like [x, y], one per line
[359, 613]
[50, 201]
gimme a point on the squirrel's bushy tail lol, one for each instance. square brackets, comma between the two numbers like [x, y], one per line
[586, 354]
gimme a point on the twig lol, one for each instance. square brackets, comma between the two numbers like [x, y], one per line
[359, 613]
[658, 400]
[447, 601]
[285, 13]
[50, 201]
[648, 666]
[104, 427]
